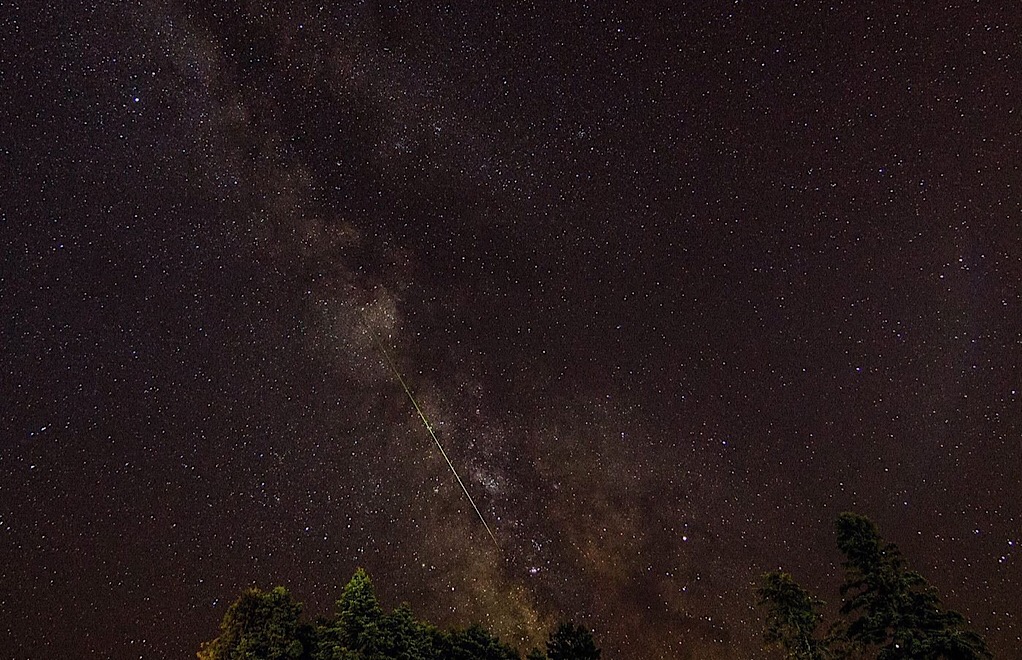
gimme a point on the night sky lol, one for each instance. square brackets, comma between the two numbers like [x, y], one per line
[675, 286]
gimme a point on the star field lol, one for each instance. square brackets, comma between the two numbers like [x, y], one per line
[674, 285]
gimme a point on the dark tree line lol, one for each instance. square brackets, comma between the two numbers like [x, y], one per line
[888, 612]
[267, 625]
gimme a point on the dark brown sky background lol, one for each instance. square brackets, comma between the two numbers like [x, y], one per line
[675, 285]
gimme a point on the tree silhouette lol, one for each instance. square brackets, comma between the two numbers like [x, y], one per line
[261, 625]
[889, 612]
[792, 617]
[571, 642]
[358, 611]
[893, 609]
[356, 627]
[403, 638]
[476, 643]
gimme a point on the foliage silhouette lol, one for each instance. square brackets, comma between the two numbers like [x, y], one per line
[267, 626]
[259, 624]
[571, 642]
[888, 611]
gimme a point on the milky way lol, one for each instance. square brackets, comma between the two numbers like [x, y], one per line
[674, 288]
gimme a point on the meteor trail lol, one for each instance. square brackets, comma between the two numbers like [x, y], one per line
[429, 427]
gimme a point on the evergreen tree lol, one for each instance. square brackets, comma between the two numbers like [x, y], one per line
[267, 626]
[260, 624]
[889, 612]
[571, 642]
[792, 617]
[893, 609]
[358, 611]
[475, 643]
[355, 632]
[401, 637]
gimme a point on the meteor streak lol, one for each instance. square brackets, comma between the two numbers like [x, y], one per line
[429, 427]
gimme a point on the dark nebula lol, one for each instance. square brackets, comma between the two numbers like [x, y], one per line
[674, 285]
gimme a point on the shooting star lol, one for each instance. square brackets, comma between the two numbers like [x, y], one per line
[432, 434]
